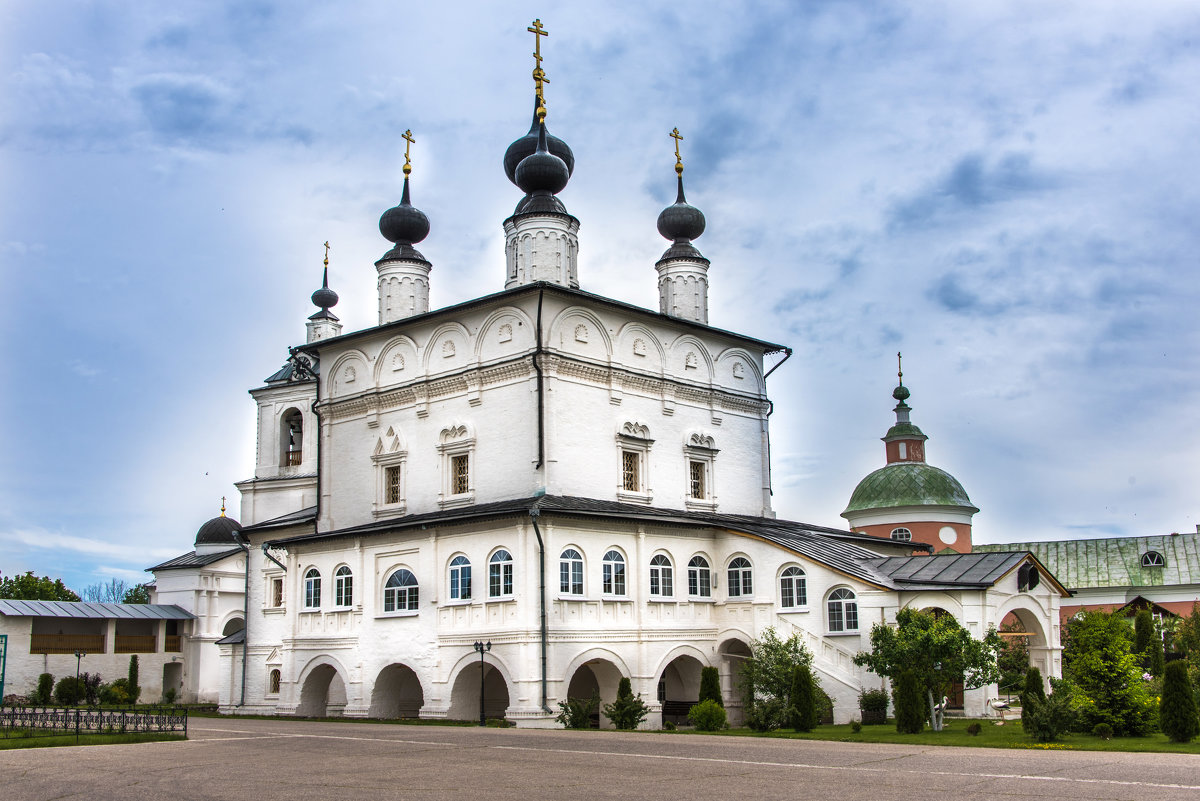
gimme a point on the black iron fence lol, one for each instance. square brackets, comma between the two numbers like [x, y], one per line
[56, 721]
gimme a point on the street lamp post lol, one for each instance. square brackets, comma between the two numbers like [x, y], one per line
[79, 655]
[482, 648]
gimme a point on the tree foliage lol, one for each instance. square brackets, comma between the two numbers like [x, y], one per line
[1033, 693]
[29, 587]
[909, 701]
[937, 650]
[708, 715]
[131, 680]
[628, 710]
[710, 685]
[1104, 674]
[803, 708]
[1046, 718]
[137, 594]
[576, 713]
[1013, 659]
[766, 679]
[1177, 715]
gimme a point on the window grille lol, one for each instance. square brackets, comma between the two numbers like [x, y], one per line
[392, 484]
[630, 471]
[697, 475]
[460, 472]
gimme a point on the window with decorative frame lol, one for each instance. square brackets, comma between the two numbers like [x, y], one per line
[570, 572]
[390, 458]
[456, 447]
[662, 583]
[273, 681]
[741, 578]
[633, 449]
[700, 455]
[793, 588]
[343, 587]
[460, 578]
[613, 573]
[500, 575]
[699, 578]
[276, 592]
[842, 607]
[312, 589]
[901, 534]
[401, 593]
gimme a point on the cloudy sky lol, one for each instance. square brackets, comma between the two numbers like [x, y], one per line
[1006, 192]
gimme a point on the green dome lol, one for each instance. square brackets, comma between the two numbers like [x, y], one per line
[905, 431]
[908, 484]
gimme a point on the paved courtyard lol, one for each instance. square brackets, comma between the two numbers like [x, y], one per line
[262, 760]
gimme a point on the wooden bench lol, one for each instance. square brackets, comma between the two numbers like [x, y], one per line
[677, 711]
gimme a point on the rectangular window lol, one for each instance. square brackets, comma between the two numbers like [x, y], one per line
[460, 474]
[277, 592]
[630, 471]
[697, 479]
[391, 479]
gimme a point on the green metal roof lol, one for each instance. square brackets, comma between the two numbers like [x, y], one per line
[1114, 562]
[907, 430]
[908, 484]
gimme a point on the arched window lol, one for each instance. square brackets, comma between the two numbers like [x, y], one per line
[460, 578]
[343, 587]
[699, 578]
[570, 572]
[614, 573]
[741, 578]
[1153, 559]
[500, 574]
[661, 580]
[901, 535]
[312, 589]
[843, 611]
[273, 682]
[793, 588]
[292, 431]
[400, 593]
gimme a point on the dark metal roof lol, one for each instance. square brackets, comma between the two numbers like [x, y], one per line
[95, 611]
[768, 347]
[840, 550]
[237, 638]
[306, 515]
[961, 570]
[192, 559]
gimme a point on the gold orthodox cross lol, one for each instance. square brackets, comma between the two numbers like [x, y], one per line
[222, 506]
[539, 75]
[899, 368]
[326, 264]
[678, 137]
[408, 138]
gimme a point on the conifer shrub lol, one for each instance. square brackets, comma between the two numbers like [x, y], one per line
[856, 726]
[576, 713]
[132, 680]
[628, 710]
[1033, 691]
[44, 692]
[803, 711]
[1047, 720]
[710, 685]
[909, 702]
[68, 691]
[708, 715]
[1177, 714]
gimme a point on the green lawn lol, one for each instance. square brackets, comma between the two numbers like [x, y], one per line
[1010, 735]
[87, 739]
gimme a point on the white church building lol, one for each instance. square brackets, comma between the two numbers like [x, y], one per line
[581, 484]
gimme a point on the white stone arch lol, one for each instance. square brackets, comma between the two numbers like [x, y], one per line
[230, 617]
[590, 654]
[1030, 612]
[434, 351]
[494, 320]
[679, 349]
[403, 346]
[465, 697]
[753, 379]
[683, 649]
[331, 695]
[338, 383]
[556, 327]
[632, 332]
[927, 600]
[379, 704]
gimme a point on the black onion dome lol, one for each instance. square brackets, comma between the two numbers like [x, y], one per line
[542, 171]
[325, 297]
[404, 224]
[218, 531]
[681, 221]
[527, 146]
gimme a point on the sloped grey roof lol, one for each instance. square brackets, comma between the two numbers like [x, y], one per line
[949, 570]
[305, 515]
[91, 610]
[237, 638]
[1116, 561]
[192, 559]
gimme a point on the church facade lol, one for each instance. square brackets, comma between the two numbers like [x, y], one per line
[491, 507]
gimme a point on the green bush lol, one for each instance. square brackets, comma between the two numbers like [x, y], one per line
[497, 723]
[1103, 731]
[1177, 716]
[1105, 675]
[669, 726]
[708, 715]
[1033, 691]
[909, 701]
[974, 729]
[628, 710]
[856, 726]
[1047, 720]
[766, 714]
[69, 691]
[873, 700]
[710, 685]
[91, 687]
[115, 694]
[803, 710]
[45, 689]
[576, 713]
[133, 688]
[169, 695]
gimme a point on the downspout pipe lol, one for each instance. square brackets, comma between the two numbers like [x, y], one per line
[787, 354]
[245, 546]
[267, 554]
[534, 512]
[541, 407]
